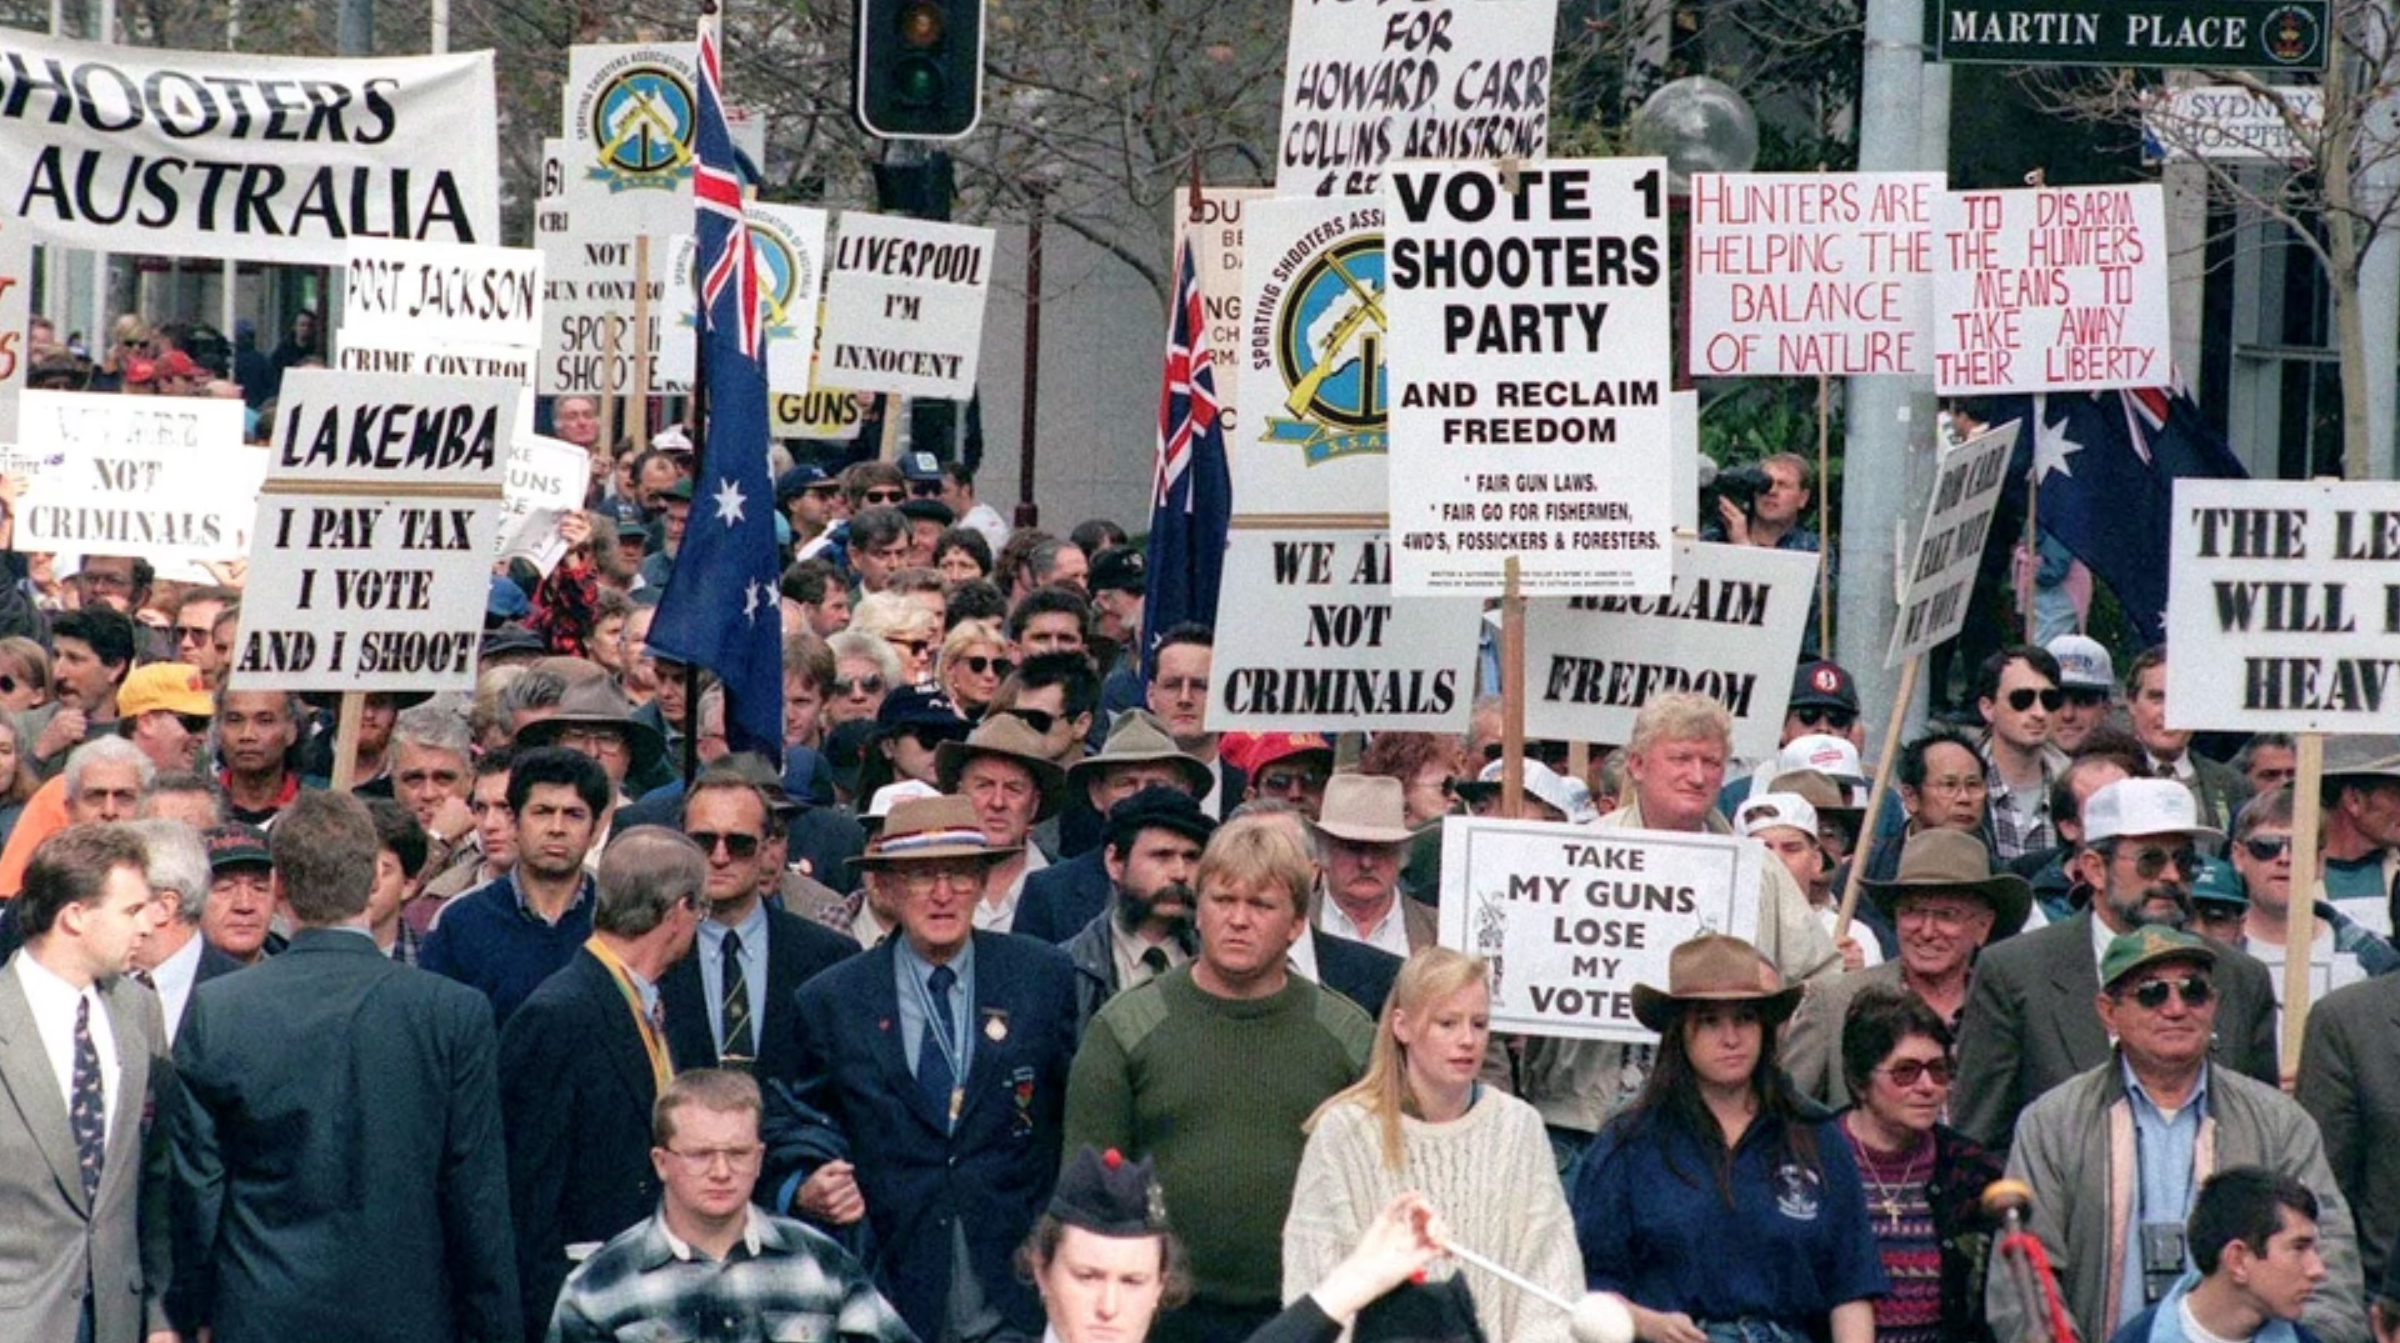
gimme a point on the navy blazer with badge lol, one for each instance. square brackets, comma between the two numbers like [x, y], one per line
[1061, 899]
[575, 1094]
[992, 1174]
[797, 950]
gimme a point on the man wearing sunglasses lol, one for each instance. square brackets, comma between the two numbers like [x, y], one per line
[2017, 693]
[2346, 951]
[2116, 1154]
[2029, 1018]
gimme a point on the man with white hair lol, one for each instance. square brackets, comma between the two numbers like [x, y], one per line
[1675, 765]
[176, 957]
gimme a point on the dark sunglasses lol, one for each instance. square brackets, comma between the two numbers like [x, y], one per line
[2022, 698]
[1040, 720]
[2194, 989]
[190, 634]
[925, 489]
[194, 723]
[1909, 1072]
[2149, 863]
[1816, 716]
[2267, 849]
[871, 684]
[884, 496]
[981, 665]
[740, 846]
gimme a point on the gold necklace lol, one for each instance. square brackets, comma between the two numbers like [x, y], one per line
[1887, 1196]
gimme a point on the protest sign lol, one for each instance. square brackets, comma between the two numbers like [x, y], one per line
[1569, 918]
[1808, 274]
[1530, 360]
[1442, 79]
[247, 157]
[588, 281]
[1958, 518]
[631, 113]
[2283, 608]
[465, 360]
[788, 244]
[824, 414]
[545, 481]
[2052, 289]
[904, 306]
[1213, 230]
[431, 296]
[2227, 123]
[1730, 630]
[1312, 360]
[1323, 645]
[16, 296]
[371, 560]
[165, 478]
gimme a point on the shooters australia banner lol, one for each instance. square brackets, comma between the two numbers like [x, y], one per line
[251, 158]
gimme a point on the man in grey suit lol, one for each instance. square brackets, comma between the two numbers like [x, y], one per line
[83, 1248]
[2030, 1023]
[2350, 1086]
[339, 1171]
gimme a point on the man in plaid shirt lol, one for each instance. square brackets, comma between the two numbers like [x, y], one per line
[2018, 696]
[710, 1261]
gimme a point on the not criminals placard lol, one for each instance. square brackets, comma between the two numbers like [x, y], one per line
[1569, 918]
[1531, 352]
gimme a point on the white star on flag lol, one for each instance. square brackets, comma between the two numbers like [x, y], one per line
[729, 503]
[2051, 446]
[751, 600]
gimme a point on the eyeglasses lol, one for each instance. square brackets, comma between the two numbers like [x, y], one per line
[2022, 698]
[917, 881]
[1291, 781]
[925, 489]
[985, 666]
[105, 582]
[191, 634]
[1944, 916]
[2216, 911]
[857, 685]
[884, 496]
[2268, 848]
[740, 847]
[594, 742]
[2149, 863]
[1817, 716]
[2195, 990]
[1961, 783]
[194, 723]
[1909, 1072]
[1040, 720]
[915, 648]
[702, 1160]
[2086, 699]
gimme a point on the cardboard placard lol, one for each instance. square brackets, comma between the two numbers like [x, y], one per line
[788, 244]
[1730, 630]
[587, 280]
[1940, 574]
[2053, 289]
[246, 157]
[904, 306]
[1570, 918]
[1314, 344]
[427, 296]
[1531, 355]
[1217, 237]
[1802, 274]
[1324, 645]
[1439, 79]
[2284, 609]
[545, 482]
[164, 478]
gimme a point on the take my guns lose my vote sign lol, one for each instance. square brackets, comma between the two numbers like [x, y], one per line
[1569, 918]
[2284, 609]
[371, 561]
[1941, 568]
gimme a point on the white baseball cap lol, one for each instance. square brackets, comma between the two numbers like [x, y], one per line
[2083, 663]
[2143, 807]
[1834, 757]
[1766, 811]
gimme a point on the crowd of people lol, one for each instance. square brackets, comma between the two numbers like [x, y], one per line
[1016, 1001]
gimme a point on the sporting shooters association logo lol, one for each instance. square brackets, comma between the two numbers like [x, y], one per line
[1329, 340]
[640, 115]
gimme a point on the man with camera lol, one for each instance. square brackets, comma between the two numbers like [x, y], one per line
[1761, 505]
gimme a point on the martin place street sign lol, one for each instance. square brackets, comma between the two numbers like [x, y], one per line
[2188, 34]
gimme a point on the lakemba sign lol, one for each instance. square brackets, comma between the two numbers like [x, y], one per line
[2183, 34]
[1570, 918]
[253, 158]
[371, 559]
[2284, 606]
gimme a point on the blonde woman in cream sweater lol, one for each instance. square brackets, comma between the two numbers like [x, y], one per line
[1420, 1120]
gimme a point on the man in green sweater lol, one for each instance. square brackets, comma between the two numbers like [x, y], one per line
[1210, 1070]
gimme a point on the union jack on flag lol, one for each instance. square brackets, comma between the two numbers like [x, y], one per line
[724, 232]
[1192, 505]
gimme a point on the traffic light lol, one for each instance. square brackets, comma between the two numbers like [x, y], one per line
[920, 68]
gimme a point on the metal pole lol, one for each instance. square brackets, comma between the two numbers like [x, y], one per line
[1029, 514]
[354, 29]
[441, 27]
[99, 336]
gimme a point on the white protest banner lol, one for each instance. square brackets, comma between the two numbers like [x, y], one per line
[16, 294]
[246, 157]
[429, 296]
[587, 281]
[1730, 630]
[1440, 79]
[1940, 571]
[2227, 123]
[1312, 357]
[904, 306]
[464, 360]
[1801, 274]
[788, 244]
[371, 561]
[165, 478]
[1569, 918]
[545, 481]
[2052, 289]
[632, 116]
[1323, 645]
[2283, 606]
[1532, 348]
[1213, 230]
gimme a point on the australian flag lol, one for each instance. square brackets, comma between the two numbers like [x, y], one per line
[2106, 465]
[1191, 504]
[721, 610]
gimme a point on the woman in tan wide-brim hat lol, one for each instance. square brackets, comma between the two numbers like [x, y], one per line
[1722, 1205]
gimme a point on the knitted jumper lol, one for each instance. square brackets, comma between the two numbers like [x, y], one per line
[1489, 1173]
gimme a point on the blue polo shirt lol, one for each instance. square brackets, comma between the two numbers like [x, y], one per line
[1791, 1245]
[491, 940]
